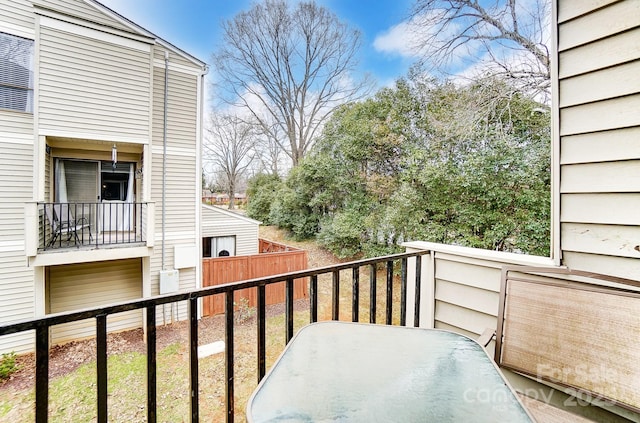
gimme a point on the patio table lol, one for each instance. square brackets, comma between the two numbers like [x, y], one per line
[352, 372]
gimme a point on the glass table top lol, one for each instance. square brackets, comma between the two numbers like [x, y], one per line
[351, 372]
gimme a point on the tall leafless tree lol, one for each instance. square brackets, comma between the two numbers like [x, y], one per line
[228, 149]
[291, 65]
[511, 37]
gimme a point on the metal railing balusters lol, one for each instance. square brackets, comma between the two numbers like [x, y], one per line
[403, 292]
[101, 366]
[262, 329]
[151, 364]
[79, 222]
[389, 292]
[229, 358]
[373, 280]
[416, 302]
[193, 359]
[42, 373]
[43, 324]
[355, 294]
[335, 289]
[289, 309]
[313, 298]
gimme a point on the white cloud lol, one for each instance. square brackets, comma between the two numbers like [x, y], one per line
[399, 39]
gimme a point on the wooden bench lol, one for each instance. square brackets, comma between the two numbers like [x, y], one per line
[575, 331]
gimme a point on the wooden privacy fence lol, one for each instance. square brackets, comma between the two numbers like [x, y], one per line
[217, 271]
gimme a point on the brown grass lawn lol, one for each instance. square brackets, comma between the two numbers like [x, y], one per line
[72, 389]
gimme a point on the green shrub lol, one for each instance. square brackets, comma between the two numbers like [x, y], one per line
[8, 365]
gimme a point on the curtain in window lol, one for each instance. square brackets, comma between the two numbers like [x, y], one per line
[128, 206]
[61, 182]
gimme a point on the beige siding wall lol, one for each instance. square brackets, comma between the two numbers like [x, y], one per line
[92, 88]
[181, 189]
[78, 286]
[216, 222]
[16, 278]
[17, 12]
[83, 10]
[599, 99]
[16, 188]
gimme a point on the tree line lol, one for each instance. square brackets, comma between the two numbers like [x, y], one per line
[464, 162]
[424, 160]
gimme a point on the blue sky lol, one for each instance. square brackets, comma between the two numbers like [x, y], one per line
[194, 26]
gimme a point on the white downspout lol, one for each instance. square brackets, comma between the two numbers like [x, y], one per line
[164, 153]
[164, 171]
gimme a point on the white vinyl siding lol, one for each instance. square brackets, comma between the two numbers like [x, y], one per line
[17, 12]
[599, 99]
[219, 223]
[88, 86]
[182, 190]
[79, 286]
[83, 10]
[182, 116]
[16, 187]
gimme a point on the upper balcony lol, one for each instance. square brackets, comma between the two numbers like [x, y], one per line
[87, 229]
[92, 203]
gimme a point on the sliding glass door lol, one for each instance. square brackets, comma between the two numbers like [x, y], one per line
[97, 191]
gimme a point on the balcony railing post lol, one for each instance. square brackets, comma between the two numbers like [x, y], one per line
[313, 298]
[193, 359]
[289, 309]
[416, 303]
[389, 292]
[229, 359]
[403, 292]
[101, 366]
[151, 364]
[42, 374]
[335, 305]
[261, 327]
[355, 303]
[373, 280]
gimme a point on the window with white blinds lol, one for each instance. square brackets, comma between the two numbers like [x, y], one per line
[16, 73]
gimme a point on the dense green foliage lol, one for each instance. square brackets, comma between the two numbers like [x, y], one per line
[466, 165]
[262, 191]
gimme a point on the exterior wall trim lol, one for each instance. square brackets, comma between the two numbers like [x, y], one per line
[95, 137]
[16, 30]
[85, 31]
[490, 255]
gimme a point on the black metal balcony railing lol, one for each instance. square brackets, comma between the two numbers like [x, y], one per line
[64, 225]
[42, 325]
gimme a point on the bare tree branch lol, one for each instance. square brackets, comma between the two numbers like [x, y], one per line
[228, 149]
[510, 36]
[289, 65]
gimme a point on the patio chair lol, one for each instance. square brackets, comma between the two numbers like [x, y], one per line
[575, 332]
[63, 223]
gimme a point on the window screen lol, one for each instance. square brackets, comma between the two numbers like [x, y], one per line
[16, 73]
